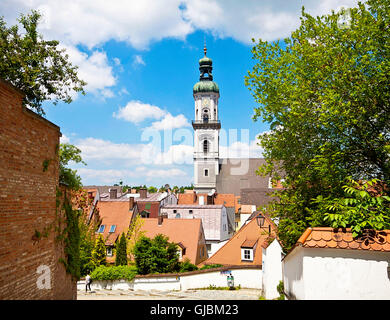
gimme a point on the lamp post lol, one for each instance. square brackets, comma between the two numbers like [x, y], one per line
[260, 219]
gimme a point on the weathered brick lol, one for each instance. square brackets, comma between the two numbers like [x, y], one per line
[28, 202]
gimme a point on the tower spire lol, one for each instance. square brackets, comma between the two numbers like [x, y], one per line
[204, 46]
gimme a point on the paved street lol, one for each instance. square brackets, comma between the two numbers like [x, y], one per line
[242, 294]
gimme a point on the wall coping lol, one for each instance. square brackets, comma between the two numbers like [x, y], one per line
[189, 273]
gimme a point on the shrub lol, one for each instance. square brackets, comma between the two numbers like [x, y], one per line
[121, 252]
[211, 266]
[114, 273]
[280, 289]
[186, 265]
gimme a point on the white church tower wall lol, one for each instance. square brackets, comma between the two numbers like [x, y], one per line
[206, 129]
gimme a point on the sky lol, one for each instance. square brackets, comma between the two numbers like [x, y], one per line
[140, 61]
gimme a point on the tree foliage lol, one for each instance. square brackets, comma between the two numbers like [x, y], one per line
[40, 68]
[134, 234]
[156, 255]
[121, 252]
[99, 252]
[324, 93]
[69, 177]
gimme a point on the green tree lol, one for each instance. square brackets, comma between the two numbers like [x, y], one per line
[121, 252]
[87, 234]
[156, 255]
[38, 67]
[99, 252]
[324, 93]
[134, 234]
[67, 153]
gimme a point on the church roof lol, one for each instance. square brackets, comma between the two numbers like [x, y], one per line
[205, 86]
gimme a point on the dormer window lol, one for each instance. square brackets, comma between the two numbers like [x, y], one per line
[247, 254]
[248, 248]
[101, 228]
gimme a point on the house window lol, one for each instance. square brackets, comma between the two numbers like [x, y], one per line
[191, 212]
[177, 216]
[101, 228]
[174, 211]
[147, 206]
[246, 254]
[109, 251]
[206, 172]
[144, 214]
[112, 229]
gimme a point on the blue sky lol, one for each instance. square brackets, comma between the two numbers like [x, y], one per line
[140, 59]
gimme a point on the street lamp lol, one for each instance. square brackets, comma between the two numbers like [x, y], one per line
[260, 219]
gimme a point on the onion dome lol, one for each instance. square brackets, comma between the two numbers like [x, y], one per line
[206, 83]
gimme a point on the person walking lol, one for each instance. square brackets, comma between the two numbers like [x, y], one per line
[88, 283]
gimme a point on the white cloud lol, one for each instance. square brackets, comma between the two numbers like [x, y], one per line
[244, 20]
[93, 69]
[242, 149]
[170, 122]
[64, 139]
[138, 60]
[94, 22]
[137, 111]
[111, 176]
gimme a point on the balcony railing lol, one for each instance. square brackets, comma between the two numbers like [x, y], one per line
[196, 124]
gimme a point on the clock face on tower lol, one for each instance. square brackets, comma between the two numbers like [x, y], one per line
[206, 102]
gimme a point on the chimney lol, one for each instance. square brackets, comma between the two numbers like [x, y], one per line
[143, 193]
[131, 203]
[113, 193]
[160, 220]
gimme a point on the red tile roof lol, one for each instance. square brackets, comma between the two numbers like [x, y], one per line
[114, 213]
[249, 234]
[226, 199]
[152, 207]
[326, 237]
[188, 232]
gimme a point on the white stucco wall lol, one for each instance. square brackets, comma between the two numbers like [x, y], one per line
[292, 267]
[246, 278]
[160, 283]
[337, 274]
[272, 269]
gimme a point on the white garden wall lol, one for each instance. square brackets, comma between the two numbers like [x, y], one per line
[244, 277]
[272, 269]
[337, 274]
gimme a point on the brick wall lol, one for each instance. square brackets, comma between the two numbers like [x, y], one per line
[28, 203]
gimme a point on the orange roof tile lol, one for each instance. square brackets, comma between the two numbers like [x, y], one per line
[188, 232]
[326, 237]
[227, 199]
[186, 198]
[249, 243]
[114, 213]
[230, 252]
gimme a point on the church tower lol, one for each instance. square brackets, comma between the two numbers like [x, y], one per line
[206, 128]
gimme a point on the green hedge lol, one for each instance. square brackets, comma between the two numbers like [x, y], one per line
[114, 273]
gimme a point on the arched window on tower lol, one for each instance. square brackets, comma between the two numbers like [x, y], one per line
[205, 115]
[206, 146]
